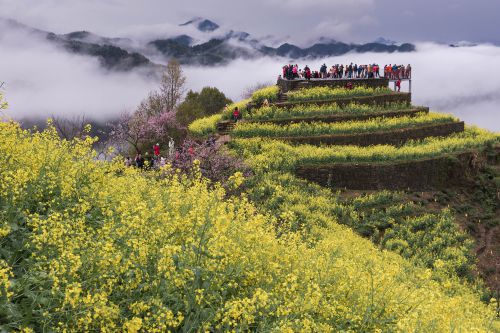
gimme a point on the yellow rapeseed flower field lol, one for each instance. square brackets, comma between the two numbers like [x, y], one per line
[95, 246]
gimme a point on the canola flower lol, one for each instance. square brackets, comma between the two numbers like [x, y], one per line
[299, 208]
[250, 129]
[206, 126]
[274, 112]
[327, 93]
[270, 93]
[107, 248]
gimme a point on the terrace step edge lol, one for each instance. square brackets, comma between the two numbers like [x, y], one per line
[443, 171]
[391, 137]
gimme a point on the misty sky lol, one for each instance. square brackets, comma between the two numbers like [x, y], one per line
[297, 21]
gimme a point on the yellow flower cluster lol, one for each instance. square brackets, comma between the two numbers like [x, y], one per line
[5, 283]
[204, 126]
[270, 93]
[328, 93]
[272, 112]
[106, 248]
[252, 129]
[3, 103]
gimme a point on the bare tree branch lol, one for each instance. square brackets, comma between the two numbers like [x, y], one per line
[69, 128]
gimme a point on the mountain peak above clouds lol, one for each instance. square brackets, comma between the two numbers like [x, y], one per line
[240, 35]
[385, 41]
[202, 24]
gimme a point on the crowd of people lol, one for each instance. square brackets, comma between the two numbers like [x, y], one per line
[395, 72]
[157, 161]
[148, 162]
[154, 161]
[351, 71]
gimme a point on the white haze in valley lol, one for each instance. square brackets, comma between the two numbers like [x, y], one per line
[42, 80]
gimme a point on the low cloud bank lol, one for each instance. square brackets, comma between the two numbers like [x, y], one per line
[42, 80]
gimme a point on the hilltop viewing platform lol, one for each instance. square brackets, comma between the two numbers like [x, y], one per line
[371, 75]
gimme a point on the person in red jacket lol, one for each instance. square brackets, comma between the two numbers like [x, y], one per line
[398, 85]
[307, 72]
[156, 149]
[236, 114]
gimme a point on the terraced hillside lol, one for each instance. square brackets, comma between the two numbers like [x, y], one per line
[388, 165]
[361, 138]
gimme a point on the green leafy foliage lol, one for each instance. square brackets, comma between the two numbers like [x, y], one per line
[190, 109]
[207, 102]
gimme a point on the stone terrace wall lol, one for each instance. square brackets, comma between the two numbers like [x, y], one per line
[425, 174]
[393, 137]
[225, 126]
[287, 85]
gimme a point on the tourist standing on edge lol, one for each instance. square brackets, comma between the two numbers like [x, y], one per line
[323, 71]
[307, 72]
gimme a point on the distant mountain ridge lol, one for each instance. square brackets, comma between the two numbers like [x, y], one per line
[202, 24]
[215, 47]
[106, 50]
